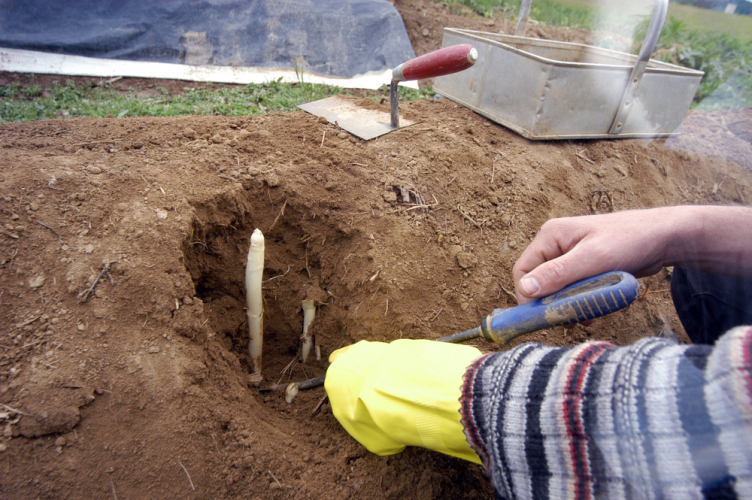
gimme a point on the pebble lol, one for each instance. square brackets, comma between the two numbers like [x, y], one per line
[389, 196]
[466, 260]
[93, 169]
[61, 441]
[36, 282]
[161, 214]
[454, 250]
[189, 133]
[271, 179]
[34, 206]
[153, 350]
[89, 248]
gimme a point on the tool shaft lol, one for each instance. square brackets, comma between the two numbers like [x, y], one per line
[581, 301]
[394, 103]
[463, 336]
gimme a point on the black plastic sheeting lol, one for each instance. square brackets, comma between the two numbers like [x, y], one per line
[331, 37]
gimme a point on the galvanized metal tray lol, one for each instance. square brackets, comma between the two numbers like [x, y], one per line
[545, 89]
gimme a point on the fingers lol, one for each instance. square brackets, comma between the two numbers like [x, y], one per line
[553, 275]
[555, 239]
[570, 249]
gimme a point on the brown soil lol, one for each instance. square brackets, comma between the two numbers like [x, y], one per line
[123, 362]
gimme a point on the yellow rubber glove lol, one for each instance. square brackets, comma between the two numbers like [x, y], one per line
[389, 396]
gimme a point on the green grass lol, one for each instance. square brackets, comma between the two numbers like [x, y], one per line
[710, 20]
[68, 100]
[716, 43]
[724, 58]
[31, 102]
[583, 13]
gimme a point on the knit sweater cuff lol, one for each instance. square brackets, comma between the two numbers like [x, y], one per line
[652, 419]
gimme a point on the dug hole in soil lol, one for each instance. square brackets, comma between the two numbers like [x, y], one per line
[124, 365]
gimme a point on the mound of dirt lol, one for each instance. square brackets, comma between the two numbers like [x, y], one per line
[123, 352]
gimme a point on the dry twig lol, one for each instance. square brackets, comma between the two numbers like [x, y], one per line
[113, 488]
[316, 408]
[275, 479]
[189, 476]
[435, 316]
[83, 296]
[467, 216]
[281, 213]
[48, 227]
[579, 155]
[510, 294]
[13, 410]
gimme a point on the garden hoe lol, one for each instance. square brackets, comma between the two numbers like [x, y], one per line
[370, 123]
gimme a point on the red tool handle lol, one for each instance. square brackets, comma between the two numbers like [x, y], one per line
[437, 63]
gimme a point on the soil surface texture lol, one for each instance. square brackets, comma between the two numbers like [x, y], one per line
[123, 347]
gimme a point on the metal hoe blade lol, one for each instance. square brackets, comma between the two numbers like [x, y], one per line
[364, 123]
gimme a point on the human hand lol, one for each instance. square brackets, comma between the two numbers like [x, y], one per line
[389, 396]
[569, 249]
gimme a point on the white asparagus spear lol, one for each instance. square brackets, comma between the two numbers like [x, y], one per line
[309, 312]
[253, 274]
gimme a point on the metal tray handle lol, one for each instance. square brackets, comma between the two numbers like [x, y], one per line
[660, 10]
[522, 18]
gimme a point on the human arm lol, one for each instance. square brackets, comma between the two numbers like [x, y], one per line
[641, 242]
[651, 420]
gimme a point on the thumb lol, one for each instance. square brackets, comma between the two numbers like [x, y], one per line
[554, 275]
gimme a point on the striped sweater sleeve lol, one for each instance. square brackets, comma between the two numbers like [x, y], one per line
[652, 420]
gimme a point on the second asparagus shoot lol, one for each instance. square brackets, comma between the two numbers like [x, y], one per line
[309, 312]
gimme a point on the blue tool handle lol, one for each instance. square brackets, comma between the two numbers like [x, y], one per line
[581, 301]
